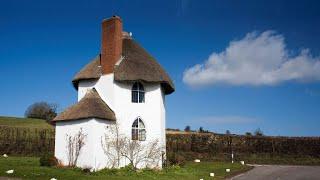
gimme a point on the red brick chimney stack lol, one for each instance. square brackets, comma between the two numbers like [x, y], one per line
[111, 45]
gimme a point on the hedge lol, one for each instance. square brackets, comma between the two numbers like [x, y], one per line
[34, 142]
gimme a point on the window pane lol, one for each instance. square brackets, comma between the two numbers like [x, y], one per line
[141, 97]
[135, 96]
[135, 123]
[135, 86]
[141, 88]
[134, 134]
[142, 135]
[141, 124]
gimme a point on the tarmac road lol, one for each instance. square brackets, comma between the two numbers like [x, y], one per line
[280, 172]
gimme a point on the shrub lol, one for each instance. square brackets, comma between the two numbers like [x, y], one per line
[42, 110]
[258, 132]
[175, 159]
[187, 129]
[48, 160]
[86, 170]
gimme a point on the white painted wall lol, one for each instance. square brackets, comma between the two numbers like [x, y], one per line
[91, 155]
[118, 97]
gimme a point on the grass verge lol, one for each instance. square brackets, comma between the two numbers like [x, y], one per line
[29, 168]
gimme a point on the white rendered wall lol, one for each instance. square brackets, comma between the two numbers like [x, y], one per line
[118, 97]
[91, 155]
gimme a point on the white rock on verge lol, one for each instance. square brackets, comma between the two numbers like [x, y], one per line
[53, 179]
[10, 171]
[227, 170]
[211, 174]
[201, 179]
[197, 160]
[242, 162]
[5, 155]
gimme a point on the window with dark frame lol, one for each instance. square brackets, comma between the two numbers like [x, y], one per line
[138, 130]
[137, 93]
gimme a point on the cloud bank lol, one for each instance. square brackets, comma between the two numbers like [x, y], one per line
[257, 59]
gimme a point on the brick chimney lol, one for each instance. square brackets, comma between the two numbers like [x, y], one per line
[111, 45]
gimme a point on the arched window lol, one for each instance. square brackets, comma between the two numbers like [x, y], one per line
[137, 93]
[138, 130]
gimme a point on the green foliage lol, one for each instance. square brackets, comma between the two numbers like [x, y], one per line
[128, 168]
[175, 159]
[41, 110]
[258, 132]
[48, 160]
[248, 134]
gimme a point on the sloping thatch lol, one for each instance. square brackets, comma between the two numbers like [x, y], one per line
[90, 106]
[90, 71]
[137, 65]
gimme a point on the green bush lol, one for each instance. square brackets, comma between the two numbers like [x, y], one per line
[48, 160]
[176, 159]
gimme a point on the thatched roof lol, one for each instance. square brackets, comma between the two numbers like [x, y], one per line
[90, 106]
[90, 71]
[137, 65]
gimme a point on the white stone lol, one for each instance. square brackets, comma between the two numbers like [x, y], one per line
[5, 155]
[242, 162]
[201, 179]
[10, 171]
[53, 179]
[212, 174]
[117, 95]
[227, 170]
[197, 160]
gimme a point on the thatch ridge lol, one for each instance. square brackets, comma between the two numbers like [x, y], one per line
[90, 106]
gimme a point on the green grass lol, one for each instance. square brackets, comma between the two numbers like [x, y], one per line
[29, 168]
[24, 123]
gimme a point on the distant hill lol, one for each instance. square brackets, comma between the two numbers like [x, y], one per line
[24, 123]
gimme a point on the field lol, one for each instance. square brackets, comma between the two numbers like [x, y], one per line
[24, 123]
[29, 168]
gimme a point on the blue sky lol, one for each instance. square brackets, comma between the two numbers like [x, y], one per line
[44, 43]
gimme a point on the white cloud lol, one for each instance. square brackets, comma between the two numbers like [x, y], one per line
[257, 59]
[226, 120]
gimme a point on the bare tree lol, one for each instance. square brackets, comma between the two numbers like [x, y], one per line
[117, 146]
[154, 154]
[137, 153]
[112, 144]
[134, 151]
[74, 146]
